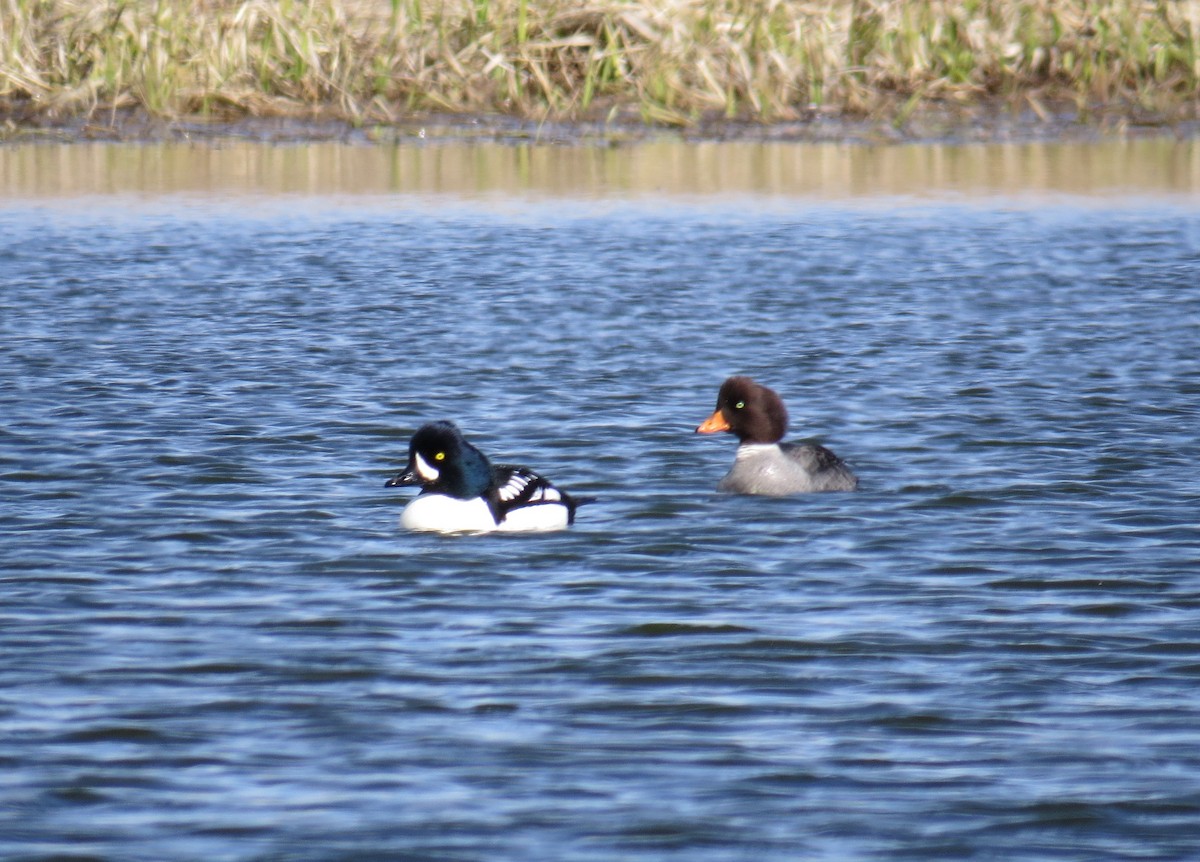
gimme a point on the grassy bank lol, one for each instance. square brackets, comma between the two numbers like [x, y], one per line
[672, 61]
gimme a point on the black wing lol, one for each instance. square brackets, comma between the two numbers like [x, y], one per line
[514, 487]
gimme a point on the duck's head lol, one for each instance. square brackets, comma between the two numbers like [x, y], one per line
[752, 412]
[441, 460]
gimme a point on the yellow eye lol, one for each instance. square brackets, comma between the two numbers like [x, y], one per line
[739, 405]
[440, 456]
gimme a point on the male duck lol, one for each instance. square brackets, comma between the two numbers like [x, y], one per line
[764, 465]
[463, 492]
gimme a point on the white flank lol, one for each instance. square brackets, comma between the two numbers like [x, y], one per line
[437, 513]
[543, 516]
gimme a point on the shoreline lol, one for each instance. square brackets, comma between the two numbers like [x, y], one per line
[970, 125]
[587, 71]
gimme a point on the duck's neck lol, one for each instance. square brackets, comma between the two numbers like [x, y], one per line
[471, 477]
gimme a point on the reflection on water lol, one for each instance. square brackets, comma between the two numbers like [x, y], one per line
[1159, 166]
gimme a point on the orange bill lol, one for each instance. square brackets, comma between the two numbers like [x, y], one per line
[713, 424]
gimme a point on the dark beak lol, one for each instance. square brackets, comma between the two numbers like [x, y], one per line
[408, 477]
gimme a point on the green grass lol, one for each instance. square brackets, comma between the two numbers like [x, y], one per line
[667, 61]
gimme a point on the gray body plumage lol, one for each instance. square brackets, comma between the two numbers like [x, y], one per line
[779, 469]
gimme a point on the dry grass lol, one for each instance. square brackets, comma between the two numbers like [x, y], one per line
[672, 61]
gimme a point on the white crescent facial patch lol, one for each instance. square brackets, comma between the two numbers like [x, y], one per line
[429, 474]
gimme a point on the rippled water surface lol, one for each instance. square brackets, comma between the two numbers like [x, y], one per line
[217, 644]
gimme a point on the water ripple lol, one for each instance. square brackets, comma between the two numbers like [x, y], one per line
[218, 643]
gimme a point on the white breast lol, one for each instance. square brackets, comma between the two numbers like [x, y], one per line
[441, 514]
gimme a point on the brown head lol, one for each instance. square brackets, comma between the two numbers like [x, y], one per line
[754, 413]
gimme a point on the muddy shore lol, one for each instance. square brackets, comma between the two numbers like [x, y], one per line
[983, 124]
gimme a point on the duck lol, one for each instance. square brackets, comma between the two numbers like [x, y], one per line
[463, 492]
[764, 465]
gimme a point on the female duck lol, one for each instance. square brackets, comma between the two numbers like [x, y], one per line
[462, 492]
[763, 464]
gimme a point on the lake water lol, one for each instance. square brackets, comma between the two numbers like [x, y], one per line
[217, 644]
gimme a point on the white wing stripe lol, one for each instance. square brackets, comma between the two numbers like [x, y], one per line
[513, 487]
[519, 482]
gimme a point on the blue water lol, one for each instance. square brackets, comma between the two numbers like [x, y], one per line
[216, 643]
